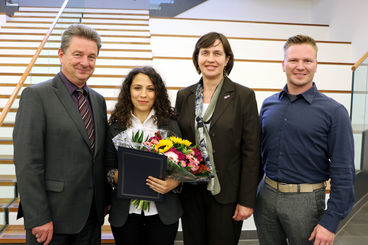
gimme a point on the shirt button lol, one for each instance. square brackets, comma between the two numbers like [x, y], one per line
[285, 119]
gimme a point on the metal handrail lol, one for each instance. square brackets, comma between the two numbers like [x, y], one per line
[30, 65]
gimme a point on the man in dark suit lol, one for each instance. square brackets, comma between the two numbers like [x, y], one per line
[59, 137]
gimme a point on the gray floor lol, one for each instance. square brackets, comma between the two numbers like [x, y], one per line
[355, 232]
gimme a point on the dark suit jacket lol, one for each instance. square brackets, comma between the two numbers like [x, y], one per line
[57, 172]
[235, 135]
[169, 209]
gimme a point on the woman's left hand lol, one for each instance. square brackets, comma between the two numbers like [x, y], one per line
[161, 186]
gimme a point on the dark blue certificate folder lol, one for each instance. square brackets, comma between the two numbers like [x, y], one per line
[134, 168]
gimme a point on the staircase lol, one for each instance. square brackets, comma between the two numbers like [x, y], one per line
[129, 39]
[125, 44]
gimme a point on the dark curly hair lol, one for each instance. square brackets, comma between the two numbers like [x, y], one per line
[122, 113]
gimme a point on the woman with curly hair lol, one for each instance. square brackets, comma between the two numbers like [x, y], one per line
[143, 105]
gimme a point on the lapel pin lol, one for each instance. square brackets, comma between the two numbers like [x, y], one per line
[227, 96]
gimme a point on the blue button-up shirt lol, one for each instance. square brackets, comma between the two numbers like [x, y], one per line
[309, 140]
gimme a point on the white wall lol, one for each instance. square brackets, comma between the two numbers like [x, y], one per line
[347, 19]
[348, 22]
[298, 11]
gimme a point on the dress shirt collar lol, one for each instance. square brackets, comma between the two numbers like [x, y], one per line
[307, 95]
[149, 120]
[71, 86]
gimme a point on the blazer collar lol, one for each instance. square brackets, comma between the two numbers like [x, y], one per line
[224, 100]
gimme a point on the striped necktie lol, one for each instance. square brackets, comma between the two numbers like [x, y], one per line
[86, 115]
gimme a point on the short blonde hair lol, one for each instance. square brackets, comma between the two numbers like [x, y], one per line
[300, 39]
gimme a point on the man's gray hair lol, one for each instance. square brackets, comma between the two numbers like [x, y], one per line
[79, 30]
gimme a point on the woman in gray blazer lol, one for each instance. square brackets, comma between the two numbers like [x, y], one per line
[143, 105]
[222, 117]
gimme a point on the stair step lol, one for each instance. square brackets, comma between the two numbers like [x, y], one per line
[12, 40]
[14, 32]
[58, 31]
[6, 159]
[85, 20]
[96, 26]
[56, 49]
[7, 186]
[5, 141]
[80, 14]
[4, 203]
[45, 28]
[7, 180]
[49, 13]
[16, 234]
[72, 15]
[14, 205]
[87, 10]
[90, 23]
[53, 74]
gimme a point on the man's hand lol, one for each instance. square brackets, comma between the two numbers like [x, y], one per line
[161, 186]
[242, 213]
[43, 233]
[322, 236]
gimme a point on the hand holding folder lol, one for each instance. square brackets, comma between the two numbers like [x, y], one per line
[134, 168]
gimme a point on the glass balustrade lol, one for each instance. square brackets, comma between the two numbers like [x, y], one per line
[359, 109]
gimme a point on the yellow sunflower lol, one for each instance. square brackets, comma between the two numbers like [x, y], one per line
[176, 140]
[163, 145]
[186, 143]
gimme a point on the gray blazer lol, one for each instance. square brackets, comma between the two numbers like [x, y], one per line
[58, 174]
[169, 209]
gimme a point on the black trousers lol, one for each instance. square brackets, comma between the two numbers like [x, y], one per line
[142, 230]
[89, 235]
[205, 221]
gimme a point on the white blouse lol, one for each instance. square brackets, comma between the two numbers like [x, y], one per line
[149, 128]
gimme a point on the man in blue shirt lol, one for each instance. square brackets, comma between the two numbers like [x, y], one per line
[306, 139]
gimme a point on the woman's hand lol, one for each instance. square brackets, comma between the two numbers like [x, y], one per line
[161, 186]
[116, 177]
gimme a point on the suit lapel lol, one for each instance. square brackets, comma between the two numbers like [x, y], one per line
[64, 97]
[191, 105]
[224, 100]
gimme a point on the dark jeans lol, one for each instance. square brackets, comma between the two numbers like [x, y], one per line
[287, 216]
[141, 230]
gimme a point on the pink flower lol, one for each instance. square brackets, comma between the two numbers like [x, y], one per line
[192, 159]
[171, 156]
[183, 164]
[193, 167]
[181, 156]
[197, 154]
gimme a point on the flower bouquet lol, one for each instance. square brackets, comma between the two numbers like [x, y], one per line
[185, 162]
